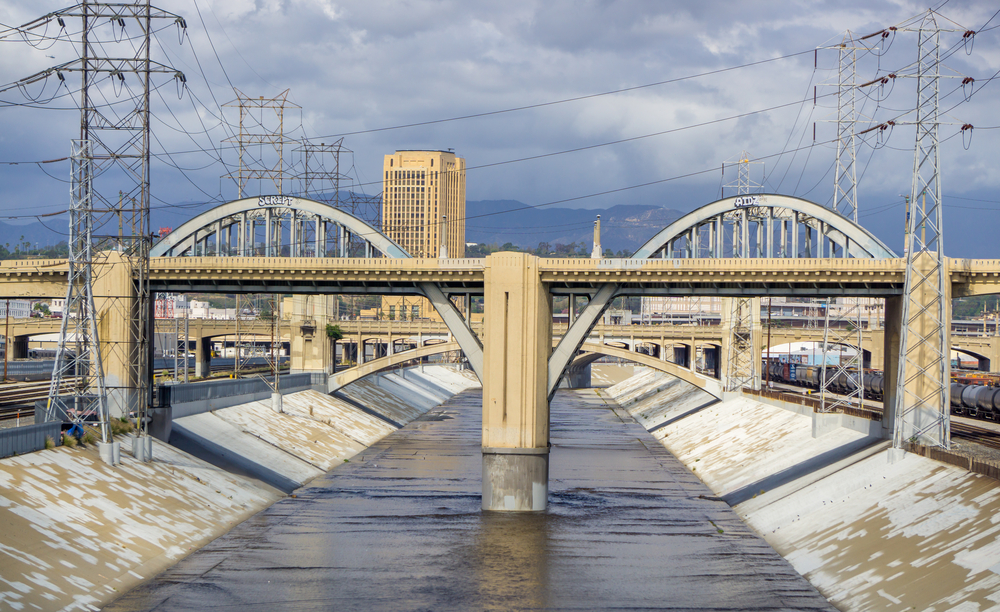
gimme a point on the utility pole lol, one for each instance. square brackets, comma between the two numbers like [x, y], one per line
[6, 341]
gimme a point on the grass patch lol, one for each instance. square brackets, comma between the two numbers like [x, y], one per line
[121, 426]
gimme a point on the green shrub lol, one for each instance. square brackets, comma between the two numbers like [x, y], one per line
[69, 441]
[49, 442]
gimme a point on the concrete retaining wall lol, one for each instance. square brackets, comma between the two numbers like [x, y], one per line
[196, 398]
[28, 438]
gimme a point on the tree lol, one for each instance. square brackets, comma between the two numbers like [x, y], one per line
[334, 333]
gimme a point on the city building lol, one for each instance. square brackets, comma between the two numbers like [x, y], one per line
[19, 309]
[423, 197]
[787, 311]
[423, 210]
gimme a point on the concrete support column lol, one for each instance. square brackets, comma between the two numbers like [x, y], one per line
[994, 353]
[892, 335]
[117, 308]
[877, 348]
[517, 343]
[311, 349]
[203, 357]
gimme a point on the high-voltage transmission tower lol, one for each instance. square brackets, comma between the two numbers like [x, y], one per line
[273, 136]
[742, 315]
[320, 177]
[845, 177]
[922, 402]
[258, 127]
[842, 323]
[113, 152]
[78, 354]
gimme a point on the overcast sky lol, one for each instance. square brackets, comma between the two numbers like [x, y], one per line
[361, 69]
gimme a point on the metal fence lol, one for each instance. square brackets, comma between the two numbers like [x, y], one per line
[28, 439]
[191, 392]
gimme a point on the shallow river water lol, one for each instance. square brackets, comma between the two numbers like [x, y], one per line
[399, 527]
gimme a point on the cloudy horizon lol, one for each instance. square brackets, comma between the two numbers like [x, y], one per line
[697, 84]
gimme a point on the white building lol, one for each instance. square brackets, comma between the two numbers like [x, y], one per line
[19, 309]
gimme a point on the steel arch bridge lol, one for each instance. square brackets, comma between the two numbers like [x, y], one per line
[747, 226]
[299, 227]
[273, 226]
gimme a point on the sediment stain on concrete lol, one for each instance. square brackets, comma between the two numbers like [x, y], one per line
[76, 531]
[915, 535]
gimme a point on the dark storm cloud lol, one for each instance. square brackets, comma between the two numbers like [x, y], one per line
[357, 66]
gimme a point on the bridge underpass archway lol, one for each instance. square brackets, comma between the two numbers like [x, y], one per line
[983, 363]
[593, 351]
[345, 377]
[299, 227]
[784, 349]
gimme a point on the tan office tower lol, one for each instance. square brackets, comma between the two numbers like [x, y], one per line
[423, 199]
[419, 190]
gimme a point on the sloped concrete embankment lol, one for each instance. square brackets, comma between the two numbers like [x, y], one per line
[914, 535]
[315, 432]
[76, 532]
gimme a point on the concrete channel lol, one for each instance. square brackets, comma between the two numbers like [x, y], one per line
[399, 527]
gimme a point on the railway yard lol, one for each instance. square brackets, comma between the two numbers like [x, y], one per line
[17, 398]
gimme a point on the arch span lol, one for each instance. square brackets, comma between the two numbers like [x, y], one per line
[233, 226]
[346, 377]
[705, 230]
[594, 351]
[241, 217]
[765, 225]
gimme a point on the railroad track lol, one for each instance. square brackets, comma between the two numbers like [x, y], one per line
[979, 435]
[18, 399]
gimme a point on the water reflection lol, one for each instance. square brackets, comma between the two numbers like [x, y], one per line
[509, 560]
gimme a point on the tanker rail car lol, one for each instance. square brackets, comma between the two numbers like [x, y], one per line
[976, 396]
[976, 401]
[811, 376]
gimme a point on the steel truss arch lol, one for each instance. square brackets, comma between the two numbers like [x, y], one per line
[222, 220]
[300, 215]
[739, 214]
[764, 225]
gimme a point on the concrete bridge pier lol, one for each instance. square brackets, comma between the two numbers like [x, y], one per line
[311, 348]
[203, 357]
[115, 299]
[517, 343]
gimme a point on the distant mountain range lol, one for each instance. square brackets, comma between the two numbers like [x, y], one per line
[623, 228]
[487, 221]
